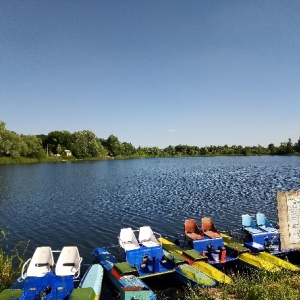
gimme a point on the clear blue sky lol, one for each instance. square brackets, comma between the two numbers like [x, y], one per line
[153, 73]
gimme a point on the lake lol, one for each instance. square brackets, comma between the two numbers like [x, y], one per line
[87, 203]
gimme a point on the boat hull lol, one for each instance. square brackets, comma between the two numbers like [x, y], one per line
[129, 286]
[191, 276]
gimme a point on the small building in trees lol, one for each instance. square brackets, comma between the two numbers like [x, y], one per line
[68, 153]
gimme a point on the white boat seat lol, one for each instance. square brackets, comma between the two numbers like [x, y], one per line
[127, 239]
[147, 237]
[41, 262]
[69, 262]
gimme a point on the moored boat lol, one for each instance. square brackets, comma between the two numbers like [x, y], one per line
[262, 240]
[208, 242]
[145, 254]
[124, 277]
[42, 278]
[262, 236]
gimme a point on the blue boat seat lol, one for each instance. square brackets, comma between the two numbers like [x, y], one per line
[127, 239]
[69, 262]
[41, 262]
[249, 225]
[147, 237]
[264, 224]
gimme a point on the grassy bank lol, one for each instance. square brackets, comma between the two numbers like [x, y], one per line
[10, 262]
[256, 285]
[52, 158]
[24, 160]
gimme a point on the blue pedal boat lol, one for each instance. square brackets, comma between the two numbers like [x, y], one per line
[43, 279]
[124, 277]
[208, 242]
[262, 235]
[146, 254]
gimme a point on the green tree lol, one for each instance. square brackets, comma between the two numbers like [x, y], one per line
[32, 146]
[58, 141]
[289, 147]
[86, 144]
[11, 143]
[126, 149]
[181, 149]
[246, 151]
[297, 146]
[4, 142]
[193, 150]
[282, 148]
[272, 149]
[15, 144]
[113, 145]
[204, 151]
[170, 151]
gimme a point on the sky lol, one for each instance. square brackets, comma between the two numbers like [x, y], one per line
[153, 73]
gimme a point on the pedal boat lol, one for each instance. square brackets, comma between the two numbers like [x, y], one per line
[42, 278]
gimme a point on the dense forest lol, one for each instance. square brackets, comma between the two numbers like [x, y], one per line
[85, 144]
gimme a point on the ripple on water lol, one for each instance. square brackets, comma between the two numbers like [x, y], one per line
[87, 204]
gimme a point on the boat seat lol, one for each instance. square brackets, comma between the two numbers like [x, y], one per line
[41, 262]
[264, 224]
[127, 239]
[209, 228]
[69, 262]
[249, 225]
[147, 237]
[192, 230]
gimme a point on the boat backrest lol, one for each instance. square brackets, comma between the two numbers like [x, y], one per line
[209, 228]
[192, 230]
[207, 224]
[190, 226]
[69, 262]
[127, 239]
[41, 262]
[264, 223]
[247, 221]
[249, 224]
[147, 237]
[261, 220]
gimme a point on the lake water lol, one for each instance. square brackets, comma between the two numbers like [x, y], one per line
[87, 203]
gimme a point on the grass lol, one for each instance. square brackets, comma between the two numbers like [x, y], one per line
[25, 160]
[10, 262]
[256, 285]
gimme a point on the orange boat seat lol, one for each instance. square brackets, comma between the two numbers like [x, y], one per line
[192, 230]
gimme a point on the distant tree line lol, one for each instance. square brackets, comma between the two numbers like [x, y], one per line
[85, 144]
